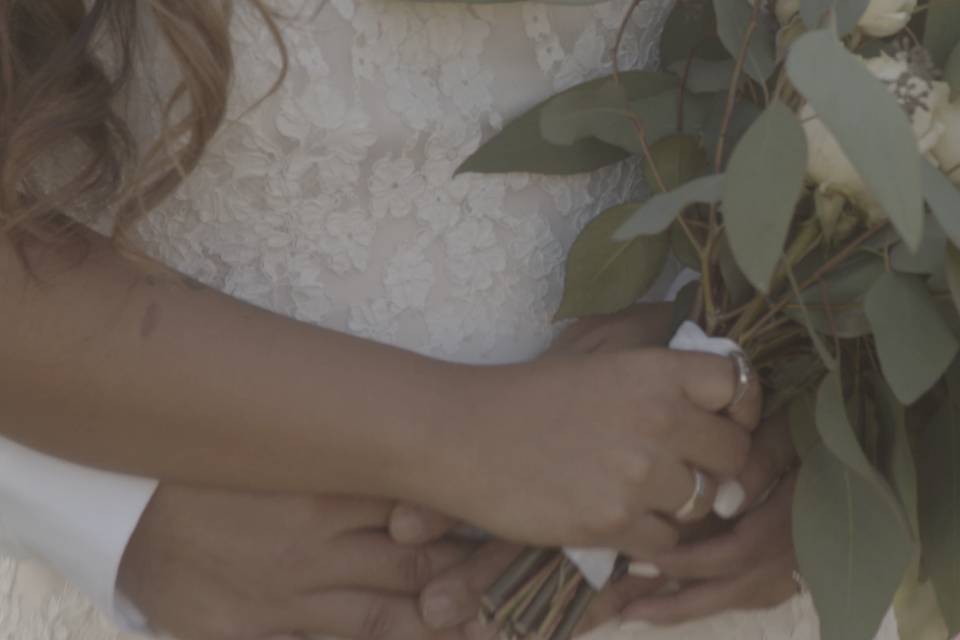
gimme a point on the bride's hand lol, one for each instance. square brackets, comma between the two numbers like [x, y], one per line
[593, 450]
[751, 565]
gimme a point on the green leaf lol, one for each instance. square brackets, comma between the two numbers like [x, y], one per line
[743, 116]
[944, 200]
[683, 303]
[605, 276]
[952, 268]
[940, 503]
[691, 26]
[898, 466]
[705, 76]
[764, 181]
[828, 360]
[942, 32]
[850, 546]
[951, 72]
[914, 343]
[657, 213]
[678, 158]
[928, 258]
[847, 13]
[521, 147]
[838, 85]
[733, 23]
[844, 290]
[735, 284]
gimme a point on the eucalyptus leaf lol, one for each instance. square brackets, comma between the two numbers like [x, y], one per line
[765, 178]
[928, 258]
[705, 76]
[678, 158]
[850, 546]
[838, 85]
[898, 465]
[691, 27]
[735, 284]
[743, 116]
[942, 32]
[951, 72]
[683, 303]
[940, 505]
[733, 26]
[658, 114]
[846, 12]
[914, 343]
[605, 276]
[521, 147]
[656, 214]
[952, 269]
[812, 330]
[844, 290]
[944, 200]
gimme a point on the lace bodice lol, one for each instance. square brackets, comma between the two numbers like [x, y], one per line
[335, 202]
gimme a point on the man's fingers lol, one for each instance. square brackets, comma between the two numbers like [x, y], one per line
[771, 456]
[762, 534]
[363, 615]
[372, 560]
[712, 443]
[761, 588]
[711, 382]
[412, 524]
[454, 597]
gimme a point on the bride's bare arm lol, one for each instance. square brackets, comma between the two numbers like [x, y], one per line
[122, 364]
[119, 363]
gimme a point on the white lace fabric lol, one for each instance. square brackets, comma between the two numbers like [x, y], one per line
[334, 202]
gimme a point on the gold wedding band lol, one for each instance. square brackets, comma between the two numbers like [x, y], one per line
[743, 372]
[699, 491]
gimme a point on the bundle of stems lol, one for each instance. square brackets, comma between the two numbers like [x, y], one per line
[541, 594]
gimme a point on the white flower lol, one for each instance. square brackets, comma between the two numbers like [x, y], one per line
[881, 19]
[920, 96]
[947, 151]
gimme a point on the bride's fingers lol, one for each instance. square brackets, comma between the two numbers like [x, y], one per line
[761, 534]
[712, 383]
[710, 442]
[454, 596]
[413, 524]
[761, 588]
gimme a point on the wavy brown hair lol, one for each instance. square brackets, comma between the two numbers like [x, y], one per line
[64, 65]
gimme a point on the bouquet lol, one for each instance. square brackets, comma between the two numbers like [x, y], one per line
[804, 157]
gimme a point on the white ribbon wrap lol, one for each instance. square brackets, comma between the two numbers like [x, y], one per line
[595, 564]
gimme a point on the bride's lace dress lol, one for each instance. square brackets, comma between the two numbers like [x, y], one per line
[334, 202]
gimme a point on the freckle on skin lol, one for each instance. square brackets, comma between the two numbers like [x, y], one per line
[151, 320]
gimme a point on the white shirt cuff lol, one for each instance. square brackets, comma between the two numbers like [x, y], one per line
[74, 519]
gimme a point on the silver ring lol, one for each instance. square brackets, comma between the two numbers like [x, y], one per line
[699, 491]
[799, 582]
[744, 372]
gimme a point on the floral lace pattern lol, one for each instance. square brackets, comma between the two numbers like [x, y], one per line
[334, 202]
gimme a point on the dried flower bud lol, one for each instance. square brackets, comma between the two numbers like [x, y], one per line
[921, 97]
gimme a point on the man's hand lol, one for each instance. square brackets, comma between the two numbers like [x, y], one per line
[217, 565]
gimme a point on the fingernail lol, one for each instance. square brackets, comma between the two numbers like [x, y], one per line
[406, 526]
[730, 497]
[643, 570]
